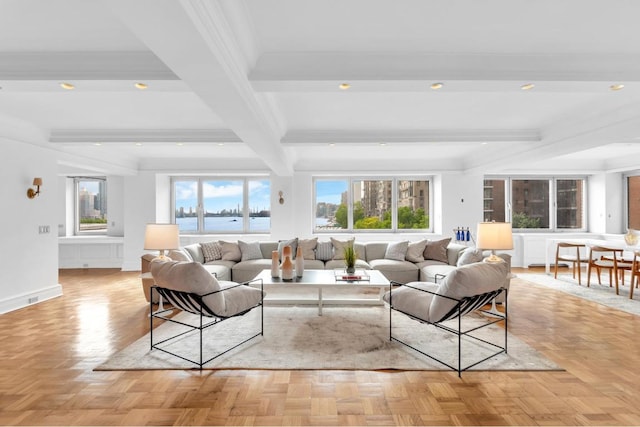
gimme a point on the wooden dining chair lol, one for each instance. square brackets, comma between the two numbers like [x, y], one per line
[564, 254]
[635, 272]
[604, 258]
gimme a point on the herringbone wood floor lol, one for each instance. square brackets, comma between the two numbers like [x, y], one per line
[48, 352]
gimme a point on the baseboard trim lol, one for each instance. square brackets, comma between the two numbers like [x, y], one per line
[30, 298]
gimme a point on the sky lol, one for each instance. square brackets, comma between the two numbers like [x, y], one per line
[330, 191]
[223, 194]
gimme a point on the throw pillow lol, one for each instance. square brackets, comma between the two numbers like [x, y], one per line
[437, 250]
[308, 247]
[415, 251]
[195, 252]
[339, 245]
[469, 256]
[396, 250]
[230, 251]
[324, 251]
[292, 242]
[212, 251]
[179, 255]
[250, 250]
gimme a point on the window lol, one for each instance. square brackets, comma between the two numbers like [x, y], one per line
[91, 205]
[633, 202]
[222, 205]
[391, 204]
[540, 203]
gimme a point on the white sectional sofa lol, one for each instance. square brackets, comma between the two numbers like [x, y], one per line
[401, 262]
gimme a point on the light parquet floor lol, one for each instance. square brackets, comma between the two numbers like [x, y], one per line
[49, 350]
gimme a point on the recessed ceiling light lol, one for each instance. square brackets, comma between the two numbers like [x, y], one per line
[344, 86]
[382, 144]
[141, 86]
[97, 144]
[616, 87]
[527, 86]
[436, 86]
[67, 86]
[332, 144]
[484, 143]
[221, 144]
[138, 144]
[179, 144]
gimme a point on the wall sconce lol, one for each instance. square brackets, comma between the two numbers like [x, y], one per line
[31, 193]
[281, 197]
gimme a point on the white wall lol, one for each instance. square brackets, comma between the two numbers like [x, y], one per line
[29, 259]
[145, 198]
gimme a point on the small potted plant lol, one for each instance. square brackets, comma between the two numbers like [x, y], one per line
[350, 257]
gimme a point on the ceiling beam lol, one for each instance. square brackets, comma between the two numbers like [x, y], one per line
[193, 39]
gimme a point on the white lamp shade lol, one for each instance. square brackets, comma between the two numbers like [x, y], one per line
[161, 237]
[494, 236]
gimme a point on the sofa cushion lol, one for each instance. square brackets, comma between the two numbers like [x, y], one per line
[437, 250]
[376, 250]
[249, 250]
[396, 250]
[339, 245]
[324, 251]
[195, 252]
[230, 251]
[212, 251]
[469, 256]
[392, 265]
[308, 248]
[415, 251]
[339, 263]
[179, 255]
[465, 281]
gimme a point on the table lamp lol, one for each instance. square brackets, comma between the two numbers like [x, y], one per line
[161, 237]
[494, 236]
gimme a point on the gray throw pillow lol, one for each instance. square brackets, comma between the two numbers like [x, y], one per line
[212, 251]
[324, 251]
[230, 251]
[469, 256]
[250, 250]
[437, 250]
[308, 247]
[415, 251]
[396, 250]
[339, 245]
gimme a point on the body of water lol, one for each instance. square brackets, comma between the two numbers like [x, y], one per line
[225, 224]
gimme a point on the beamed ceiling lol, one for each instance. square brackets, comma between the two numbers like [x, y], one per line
[434, 85]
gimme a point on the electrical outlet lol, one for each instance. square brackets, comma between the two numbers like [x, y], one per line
[33, 300]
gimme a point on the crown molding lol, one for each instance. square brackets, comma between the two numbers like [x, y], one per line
[127, 65]
[71, 136]
[303, 137]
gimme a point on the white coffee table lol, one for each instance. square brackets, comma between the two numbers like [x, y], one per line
[326, 279]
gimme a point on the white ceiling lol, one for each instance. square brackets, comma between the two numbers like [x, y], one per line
[253, 84]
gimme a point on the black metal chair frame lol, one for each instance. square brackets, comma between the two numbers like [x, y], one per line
[193, 303]
[463, 306]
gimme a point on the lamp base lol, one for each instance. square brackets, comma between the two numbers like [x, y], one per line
[493, 258]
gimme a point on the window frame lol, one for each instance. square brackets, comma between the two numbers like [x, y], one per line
[200, 180]
[350, 180]
[76, 207]
[553, 203]
[626, 177]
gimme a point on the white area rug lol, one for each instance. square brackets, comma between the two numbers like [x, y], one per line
[343, 338]
[602, 294]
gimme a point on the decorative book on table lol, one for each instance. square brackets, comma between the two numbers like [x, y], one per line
[357, 276]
